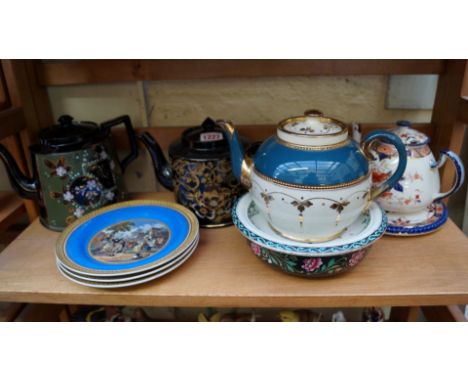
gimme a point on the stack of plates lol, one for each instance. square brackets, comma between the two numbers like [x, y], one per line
[127, 243]
[304, 259]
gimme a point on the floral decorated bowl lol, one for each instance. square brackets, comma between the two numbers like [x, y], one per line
[310, 266]
[309, 259]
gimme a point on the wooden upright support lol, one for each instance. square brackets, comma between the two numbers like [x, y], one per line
[29, 112]
[449, 130]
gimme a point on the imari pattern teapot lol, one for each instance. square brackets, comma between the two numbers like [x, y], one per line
[410, 200]
[310, 180]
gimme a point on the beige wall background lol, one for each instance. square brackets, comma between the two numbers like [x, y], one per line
[244, 101]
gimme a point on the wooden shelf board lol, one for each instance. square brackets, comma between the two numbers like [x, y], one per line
[10, 207]
[425, 270]
[75, 72]
[11, 122]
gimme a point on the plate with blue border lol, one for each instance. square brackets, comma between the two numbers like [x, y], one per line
[127, 238]
[133, 276]
[116, 283]
[432, 224]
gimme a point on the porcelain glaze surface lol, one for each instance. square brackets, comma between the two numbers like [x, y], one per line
[411, 197]
[330, 167]
[405, 225]
[311, 267]
[208, 188]
[303, 213]
[368, 228]
[149, 276]
[311, 181]
[136, 276]
[75, 183]
[130, 237]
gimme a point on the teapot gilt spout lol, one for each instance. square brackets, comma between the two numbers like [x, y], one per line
[310, 180]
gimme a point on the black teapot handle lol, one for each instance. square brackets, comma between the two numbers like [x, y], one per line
[132, 139]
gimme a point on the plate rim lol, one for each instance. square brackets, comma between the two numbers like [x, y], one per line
[60, 246]
[130, 283]
[112, 278]
[421, 230]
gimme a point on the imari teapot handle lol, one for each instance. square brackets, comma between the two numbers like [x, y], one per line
[387, 137]
[459, 172]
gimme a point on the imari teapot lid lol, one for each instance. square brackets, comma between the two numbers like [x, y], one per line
[409, 136]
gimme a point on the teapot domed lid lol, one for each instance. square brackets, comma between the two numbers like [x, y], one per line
[68, 134]
[201, 142]
[409, 136]
[312, 129]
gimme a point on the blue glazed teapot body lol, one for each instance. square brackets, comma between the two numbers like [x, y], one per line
[310, 180]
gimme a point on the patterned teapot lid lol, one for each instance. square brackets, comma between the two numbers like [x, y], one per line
[206, 141]
[409, 136]
[312, 129]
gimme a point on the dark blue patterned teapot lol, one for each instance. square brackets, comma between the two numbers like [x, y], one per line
[200, 172]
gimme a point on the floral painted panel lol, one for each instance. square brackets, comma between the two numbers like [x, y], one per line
[129, 241]
[75, 183]
[316, 266]
[208, 188]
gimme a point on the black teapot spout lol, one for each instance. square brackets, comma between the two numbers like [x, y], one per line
[162, 169]
[26, 187]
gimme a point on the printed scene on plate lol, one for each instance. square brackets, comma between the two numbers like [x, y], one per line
[129, 241]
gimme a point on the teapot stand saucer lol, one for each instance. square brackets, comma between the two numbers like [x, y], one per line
[402, 227]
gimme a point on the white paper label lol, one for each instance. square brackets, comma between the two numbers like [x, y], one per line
[211, 137]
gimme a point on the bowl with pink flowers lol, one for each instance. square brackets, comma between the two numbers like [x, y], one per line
[309, 259]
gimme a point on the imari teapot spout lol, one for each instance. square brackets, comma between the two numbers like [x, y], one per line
[310, 180]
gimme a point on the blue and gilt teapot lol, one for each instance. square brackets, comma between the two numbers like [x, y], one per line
[310, 180]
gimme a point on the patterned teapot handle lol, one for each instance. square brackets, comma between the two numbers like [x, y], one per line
[459, 172]
[387, 137]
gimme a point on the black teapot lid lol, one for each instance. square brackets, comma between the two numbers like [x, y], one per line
[201, 142]
[68, 135]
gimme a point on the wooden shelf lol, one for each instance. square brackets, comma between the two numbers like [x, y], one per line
[425, 270]
[11, 206]
[74, 72]
[12, 122]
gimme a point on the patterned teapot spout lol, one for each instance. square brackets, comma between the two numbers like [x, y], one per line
[310, 180]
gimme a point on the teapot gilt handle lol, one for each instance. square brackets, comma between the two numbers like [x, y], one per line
[459, 172]
[394, 140]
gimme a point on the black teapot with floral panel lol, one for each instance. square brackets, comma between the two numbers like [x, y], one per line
[75, 169]
[200, 172]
